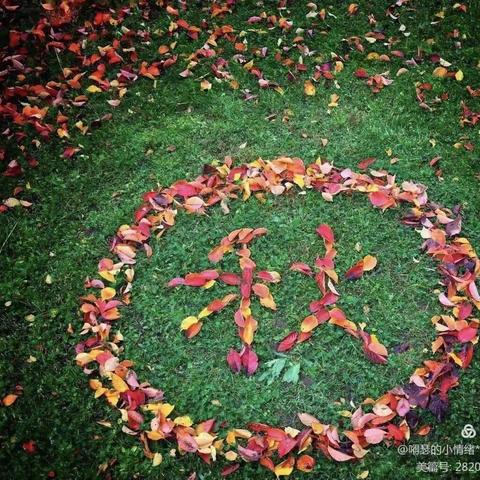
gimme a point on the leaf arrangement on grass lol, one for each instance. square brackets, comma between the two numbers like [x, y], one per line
[391, 419]
[101, 54]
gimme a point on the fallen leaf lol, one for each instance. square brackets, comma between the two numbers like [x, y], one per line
[309, 88]
[334, 99]
[9, 399]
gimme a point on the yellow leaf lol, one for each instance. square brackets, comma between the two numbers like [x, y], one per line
[299, 180]
[12, 202]
[248, 332]
[93, 89]
[209, 284]
[242, 433]
[459, 76]
[157, 459]
[119, 384]
[363, 475]
[246, 190]
[188, 322]
[352, 9]
[112, 397]
[334, 98]
[107, 275]
[308, 324]
[293, 432]
[204, 313]
[285, 468]
[456, 359]
[184, 421]
[231, 437]
[166, 409]
[105, 423]
[204, 440]
[309, 88]
[155, 435]
[129, 274]
[83, 358]
[9, 399]
[248, 66]
[317, 428]
[99, 392]
[268, 302]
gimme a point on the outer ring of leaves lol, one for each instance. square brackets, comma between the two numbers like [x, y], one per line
[392, 417]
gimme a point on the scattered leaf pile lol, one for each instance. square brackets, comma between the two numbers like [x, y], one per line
[60, 54]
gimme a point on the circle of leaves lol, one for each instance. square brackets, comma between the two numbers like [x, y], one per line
[391, 418]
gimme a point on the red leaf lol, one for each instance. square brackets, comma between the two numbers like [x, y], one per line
[467, 334]
[248, 454]
[355, 272]
[195, 280]
[234, 361]
[288, 342]
[302, 268]
[374, 435]
[361, 73]
[229, 469]
[381, 200]
[270, 277]
[364, 164]
[230, 278]
[326, 233]
[464, 310]
[174, 282]
[249, 361]
[30, 447]
[286, 445]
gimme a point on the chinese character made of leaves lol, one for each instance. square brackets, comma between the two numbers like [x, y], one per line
[247, 281]
[325, 276]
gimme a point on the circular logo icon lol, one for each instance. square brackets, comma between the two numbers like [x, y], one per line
[468, 431]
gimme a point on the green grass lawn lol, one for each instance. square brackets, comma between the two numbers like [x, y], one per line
[79, 203]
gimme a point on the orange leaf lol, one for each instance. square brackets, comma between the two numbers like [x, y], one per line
[309, 323]
[9, 399]
[440, 72]
[369, 263]
[309, 88]
[305, 463]
[193, 329]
